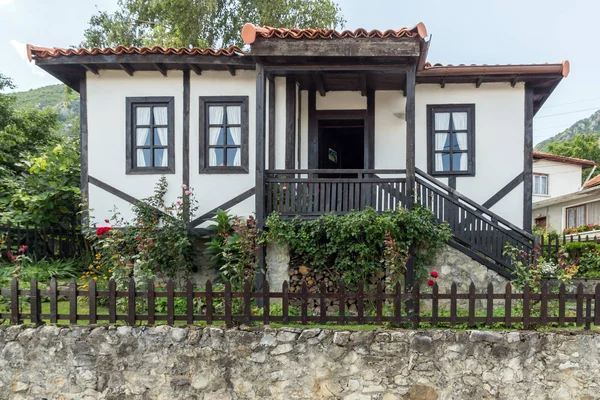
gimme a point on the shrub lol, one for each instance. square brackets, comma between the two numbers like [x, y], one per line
[581, 229]
[358, 245]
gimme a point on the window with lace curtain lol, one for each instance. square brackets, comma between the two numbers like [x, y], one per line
[150, 135]
[451, 139]
[224, 134]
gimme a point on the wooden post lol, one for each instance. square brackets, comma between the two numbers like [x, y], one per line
[131, 301]
[34, 304]
[53, 301]
[112, 303]
[528, 161]
[322, 306]
[92, 302]
[73, 302]
[261, 100]
[189, 292]
[170, 302]
[290, 121]
[304, 304]
[410, 137]
[209, 303]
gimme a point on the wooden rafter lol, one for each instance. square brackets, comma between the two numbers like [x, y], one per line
[160, 68]
[231, 69]
[91, 68]
[195, 68]
[127, 68]
[478, 82]
[319, 84]
[363, 84]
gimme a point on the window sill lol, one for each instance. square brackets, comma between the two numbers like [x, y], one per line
[151, 171]
[224, 170]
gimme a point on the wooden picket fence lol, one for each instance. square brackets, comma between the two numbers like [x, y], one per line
[402, 308]
[550, 246]
[55, 242]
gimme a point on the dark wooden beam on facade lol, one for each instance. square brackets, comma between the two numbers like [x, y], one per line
[195, 68]
[112, 190]
[516, 181]
[271, 112]
[127, 68]
[91, 68]
[299, 145]
[513, 82]
[160, 68]
[239, 62]
[410, 138]
[358, 47]
[370, 131]
[331, 67]
[260, 208]
[443, 83]
[319, 84]
[231, 69]
[225, 206]
[83, 148]
[313, 128]
[478, 82]
[362, 78]
[290, 122]
[528, 161]
[186, 139]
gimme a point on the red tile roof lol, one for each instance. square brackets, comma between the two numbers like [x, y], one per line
[250, 32]
[595, 181]
[44, 52]
[563, 159]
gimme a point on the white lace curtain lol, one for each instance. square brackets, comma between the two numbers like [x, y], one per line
[234, 117]
[142, 117]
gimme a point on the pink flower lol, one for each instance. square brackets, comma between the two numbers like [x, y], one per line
[184, 187]
[284, 188]
[23, 249]
[434, 274]
[187, 192]
[430, 282]
[178, 203]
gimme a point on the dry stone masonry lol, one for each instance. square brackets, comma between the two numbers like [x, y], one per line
[122, 362]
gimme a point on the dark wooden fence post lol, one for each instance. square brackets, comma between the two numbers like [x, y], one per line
[34, 302]
[490, 305]
[227, 300]
[379, 303]
[92, 302]
[398, 304]
[131, 302]
[112, 302]
[304, 303]
[209, 302]
[53, 301]
[580, 304]
[360, 302]
[507, 304]
[247, 305]
[151, 296]
[416, 305]
[322, 306]
[544, 304]
[342, 303]
[189, 302]
[472, 305]
[434, 305]
[526, 306]
[453, 304]
[285, 302]
[73, 303]
[561, 304]
[266, 303]
[170, 303]
[597, 306]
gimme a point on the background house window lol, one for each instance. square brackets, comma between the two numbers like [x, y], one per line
[451, 139]
[540, 184]
[150, 135]
[576, 216]
[224, 134]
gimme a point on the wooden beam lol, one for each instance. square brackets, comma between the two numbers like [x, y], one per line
[369, 141]
[329, 67]
[319, 84]
[112, 190]
[261, 100]
[528, 162]
[410, 138]
[186, 139]
[478, 82]
[195, 68]
[362, 84]
[160, 68]
[299, 145]
[443, 83]
[91, 68]
[513, 82]
[225, 206]
[127, 68]
[83, 147]
[240, 62]
[357, 47]
[516, 181]
[231, 69]
[290, 121]
[313, 130]
[271, 112]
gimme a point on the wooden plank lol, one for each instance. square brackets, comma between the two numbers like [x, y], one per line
[261, 100]
[272, 122]
[186, 140]
[53, 301]
[544, 304]
[472, 305]
[304, 303]
[453, 304]
[83, 149]
[225, 206]
[189, 303]
[127, 68]
[227, 300]
[285, 302]
[507, 304]
[266, 303]
[397, 304]
[170, 302]
[561, 304]
[528, 160]
[597, 306]
[92, 302]
[106, 61]
[360, 302]
[322, 305]
[209, 302]
[509, 187]
[290, 122]
[73, 302]
[410, 139]
[319, 84]
[247, 304]
[358, 47]
[526, 306]
[416, 306]
[195, 68]
[579, 306]
[490, 305]
[34, 303]
[342, 303]
[151, 301]
[131, 302]
[434, 305]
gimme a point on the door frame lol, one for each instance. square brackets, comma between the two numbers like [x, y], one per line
[314, 116]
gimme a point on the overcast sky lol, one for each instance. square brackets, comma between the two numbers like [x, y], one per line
[464, 31]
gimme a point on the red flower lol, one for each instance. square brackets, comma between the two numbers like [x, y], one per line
[102, 230]
[434, 274]
[430, 282]
[23, 249]
[107, 220]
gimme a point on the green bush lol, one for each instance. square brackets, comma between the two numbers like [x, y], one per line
[587, 256]
[353, 245]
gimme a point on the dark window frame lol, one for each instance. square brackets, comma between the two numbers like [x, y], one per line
[547, 184]
[205, 102]
[131, 146]
[432, 109]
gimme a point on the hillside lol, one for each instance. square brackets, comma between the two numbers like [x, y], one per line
[55, 96]
[590, 124]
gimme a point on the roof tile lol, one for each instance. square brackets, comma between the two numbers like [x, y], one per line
[595, 181]
[568, 160]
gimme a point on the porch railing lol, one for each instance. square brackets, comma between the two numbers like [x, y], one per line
[314, 192]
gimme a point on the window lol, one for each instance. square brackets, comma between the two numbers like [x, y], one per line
[150, 135]
[540, 222]
[576, 216]
[224, 134]
[451, 139]
[540, 184]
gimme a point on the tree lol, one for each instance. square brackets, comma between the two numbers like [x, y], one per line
[202, 23]
[583, 145]
[39, 165]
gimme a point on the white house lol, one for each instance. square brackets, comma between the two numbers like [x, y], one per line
[555, 175]
[311, 121]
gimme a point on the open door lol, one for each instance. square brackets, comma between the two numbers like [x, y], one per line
[341, 145]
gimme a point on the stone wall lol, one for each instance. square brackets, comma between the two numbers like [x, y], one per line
[192, 363]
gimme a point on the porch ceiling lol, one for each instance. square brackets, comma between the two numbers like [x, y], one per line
[324, 82]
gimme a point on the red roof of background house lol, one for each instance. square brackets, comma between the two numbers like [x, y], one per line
[43, 52]
[593, 182]
[563, 159]
[250, 32]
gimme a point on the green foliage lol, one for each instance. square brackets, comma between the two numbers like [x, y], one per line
[207, 23]
[353, 245]
[39, 166]
[61, 99]
[582, 145]
[43, 270]
[158, 243]
[588, 256]
[221, 228]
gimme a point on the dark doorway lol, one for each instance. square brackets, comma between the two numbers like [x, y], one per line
[341, 145]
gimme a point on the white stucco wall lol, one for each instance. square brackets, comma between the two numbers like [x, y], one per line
[499, 135]
[106, 108]
[213, 190]
[563, 178]
[344, 100]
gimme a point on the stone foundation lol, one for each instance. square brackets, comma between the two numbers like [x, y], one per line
[192, 363]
